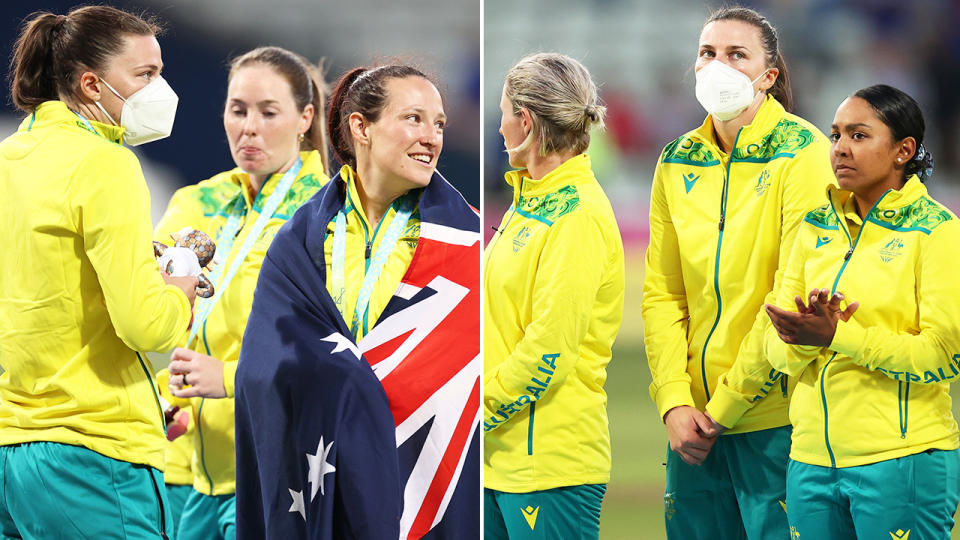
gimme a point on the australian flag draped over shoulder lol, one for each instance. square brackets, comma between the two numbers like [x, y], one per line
[324, 450]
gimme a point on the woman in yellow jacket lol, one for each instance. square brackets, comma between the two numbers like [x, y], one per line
[726, 202]
[874, 450]
[81, 429]
[273, 122]
[362, 350]
[553, 301]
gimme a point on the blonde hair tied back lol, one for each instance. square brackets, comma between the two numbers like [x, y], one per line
[561, 98]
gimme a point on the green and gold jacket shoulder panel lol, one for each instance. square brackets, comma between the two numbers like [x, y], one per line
[823, 217]
[214, 196]
[786, 139]
[922, 215]
[686, 151]
[550, 207]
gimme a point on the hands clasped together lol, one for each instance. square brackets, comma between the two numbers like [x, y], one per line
[692, 432]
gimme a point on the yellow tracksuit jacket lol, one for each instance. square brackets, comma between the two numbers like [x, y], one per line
[360, 235]
[204, 206]
[721, 227]
[881, 389]
[553, 301]
[80, 291]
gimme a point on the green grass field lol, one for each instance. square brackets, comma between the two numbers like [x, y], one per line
[633, 506]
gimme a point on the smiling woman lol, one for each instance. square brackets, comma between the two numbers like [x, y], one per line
[383, 263]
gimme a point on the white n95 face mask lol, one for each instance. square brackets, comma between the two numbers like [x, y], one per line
[723, 91]
[148, 114]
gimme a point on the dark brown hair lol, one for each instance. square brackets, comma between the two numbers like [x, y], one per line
[361, 90]
[306, 83]
[901, 113]
[768, 38]
[54, 50]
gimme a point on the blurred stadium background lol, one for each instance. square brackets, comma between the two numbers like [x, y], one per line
[641, 53]
[441, 36]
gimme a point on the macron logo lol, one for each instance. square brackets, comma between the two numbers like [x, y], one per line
[823, 240]
[689, 180]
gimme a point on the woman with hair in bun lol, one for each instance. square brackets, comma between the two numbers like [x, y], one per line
[273, 118]
[875, 343]
[81, 430]
[553, 301]
[380, 268]
[726, 203]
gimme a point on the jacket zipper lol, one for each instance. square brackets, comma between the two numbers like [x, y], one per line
[903, 395]
[533, 409]
[206, 346]
[823, 398]
[203, 457]
[163, 516]
[846, 259]
[156, 393]
[500, 231]
[716, 267]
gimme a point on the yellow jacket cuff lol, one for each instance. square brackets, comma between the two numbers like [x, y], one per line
[675, 394]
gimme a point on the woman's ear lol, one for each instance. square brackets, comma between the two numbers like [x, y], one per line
[359, 128]
[90, 86]
[769, 79]
[526, 121]
[306, 119]
[907, 148]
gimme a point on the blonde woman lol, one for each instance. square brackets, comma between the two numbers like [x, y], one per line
[553, 300]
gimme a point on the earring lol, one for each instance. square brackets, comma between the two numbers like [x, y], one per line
[898, 159]
[300, 138]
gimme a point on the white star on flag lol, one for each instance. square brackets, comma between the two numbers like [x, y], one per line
[318, 468]
[297, 505]
[342, 344]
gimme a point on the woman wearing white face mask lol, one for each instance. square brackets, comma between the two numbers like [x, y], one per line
[80, 424]
[726, 203]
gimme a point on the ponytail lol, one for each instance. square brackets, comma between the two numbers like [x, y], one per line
[316, 136]
[781, 90]
[52, 51]
[32, 78]
[337, 127]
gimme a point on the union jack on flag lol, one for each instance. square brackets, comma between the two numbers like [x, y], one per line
[425, 349]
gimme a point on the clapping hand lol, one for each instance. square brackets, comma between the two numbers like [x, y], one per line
[813, 324]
